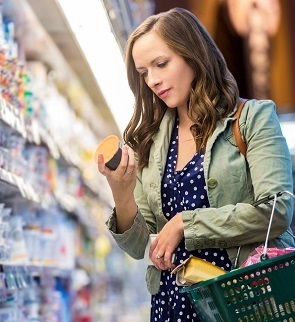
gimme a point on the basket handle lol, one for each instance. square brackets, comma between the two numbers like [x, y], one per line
[274, 197]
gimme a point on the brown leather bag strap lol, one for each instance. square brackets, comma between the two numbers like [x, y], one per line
[236, 129]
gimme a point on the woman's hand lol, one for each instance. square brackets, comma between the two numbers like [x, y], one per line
[122, 183]
[122, 180]
[168, 239]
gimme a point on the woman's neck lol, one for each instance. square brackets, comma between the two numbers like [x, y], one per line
[184, 120]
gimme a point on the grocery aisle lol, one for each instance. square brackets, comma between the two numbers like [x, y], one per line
[58, 263]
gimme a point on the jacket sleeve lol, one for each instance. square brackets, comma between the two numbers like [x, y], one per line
[134, 240]
[269, 167]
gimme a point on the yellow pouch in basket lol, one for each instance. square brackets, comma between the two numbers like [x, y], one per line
[194, 270]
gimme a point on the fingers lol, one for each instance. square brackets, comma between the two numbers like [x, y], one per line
[161, 265]
[158, 261]
[155, 257]
[126, 167]
[101, 165]
[162, 260]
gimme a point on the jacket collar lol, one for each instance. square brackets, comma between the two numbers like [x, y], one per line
[162, 137]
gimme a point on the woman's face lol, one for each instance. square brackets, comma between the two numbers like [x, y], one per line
[166, 73]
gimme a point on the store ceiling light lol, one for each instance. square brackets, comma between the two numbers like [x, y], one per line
[90, 25]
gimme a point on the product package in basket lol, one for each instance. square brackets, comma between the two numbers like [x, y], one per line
[255, 257]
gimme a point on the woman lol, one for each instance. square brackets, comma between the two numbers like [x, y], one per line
[181, 174]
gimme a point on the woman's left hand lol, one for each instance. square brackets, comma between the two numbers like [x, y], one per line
[168, 239]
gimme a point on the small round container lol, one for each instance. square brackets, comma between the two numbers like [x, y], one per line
[111, 149]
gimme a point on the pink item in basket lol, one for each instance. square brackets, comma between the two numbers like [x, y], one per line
[254, 258]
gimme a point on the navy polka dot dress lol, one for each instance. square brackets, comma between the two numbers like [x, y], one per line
[182, 190]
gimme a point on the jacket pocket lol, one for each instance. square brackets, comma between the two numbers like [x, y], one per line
[152, 278]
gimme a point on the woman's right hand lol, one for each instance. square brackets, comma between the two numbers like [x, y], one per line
[122, 182]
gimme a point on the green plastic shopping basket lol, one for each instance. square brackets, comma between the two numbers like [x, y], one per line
[261, 292]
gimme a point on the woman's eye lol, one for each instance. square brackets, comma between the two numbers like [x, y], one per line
[143, 74]
[163, 64]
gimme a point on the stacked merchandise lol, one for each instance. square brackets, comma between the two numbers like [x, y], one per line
[57, 262]
[41, 184]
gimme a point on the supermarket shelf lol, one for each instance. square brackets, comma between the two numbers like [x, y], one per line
[66, 215]
[8, 186]
[14, 189]
[15, 186]
[21, 274]
[56, 26]
[54, 43]
[13, 122]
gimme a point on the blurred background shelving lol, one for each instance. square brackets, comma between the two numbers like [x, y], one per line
[57, 261]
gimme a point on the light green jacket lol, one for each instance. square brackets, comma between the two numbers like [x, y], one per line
[233, 184]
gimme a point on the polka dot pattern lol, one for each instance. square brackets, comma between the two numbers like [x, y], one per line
[182, 190]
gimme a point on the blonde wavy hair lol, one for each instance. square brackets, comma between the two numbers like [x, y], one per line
[214, 91]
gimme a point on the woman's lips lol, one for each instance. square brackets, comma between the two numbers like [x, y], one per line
[164, 93]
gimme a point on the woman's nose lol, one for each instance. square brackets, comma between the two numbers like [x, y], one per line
[153, 80]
